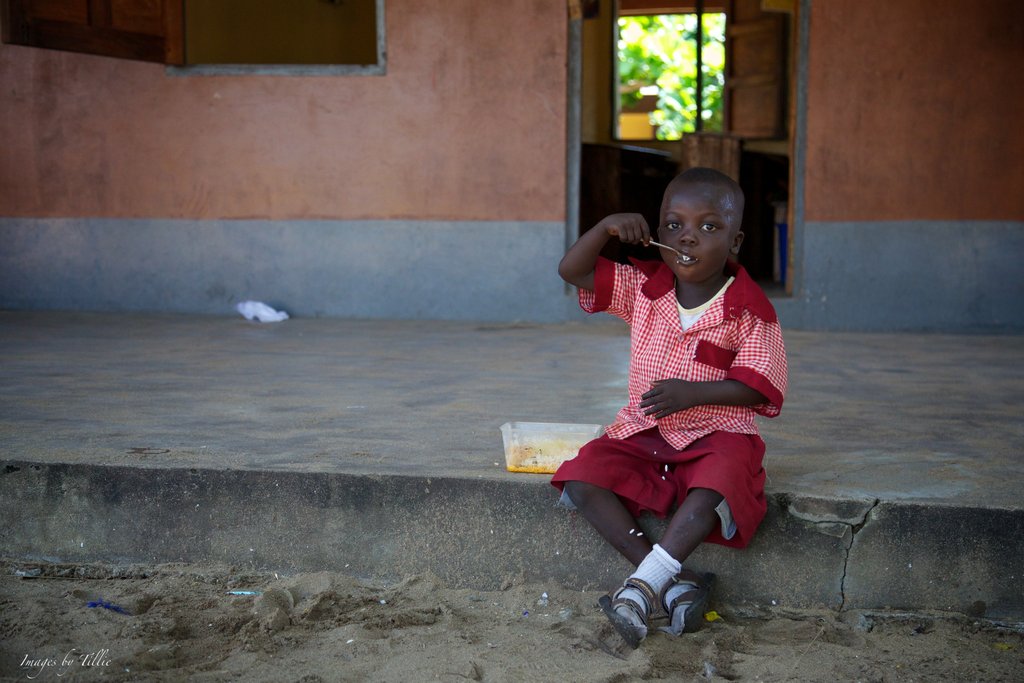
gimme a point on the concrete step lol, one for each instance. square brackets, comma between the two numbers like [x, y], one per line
[839, 553]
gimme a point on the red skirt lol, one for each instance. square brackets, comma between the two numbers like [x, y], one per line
[649, 475]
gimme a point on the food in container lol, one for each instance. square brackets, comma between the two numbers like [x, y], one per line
[541, 447]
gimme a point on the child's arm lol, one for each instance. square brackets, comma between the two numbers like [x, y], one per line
[577, 266]
[668, 396]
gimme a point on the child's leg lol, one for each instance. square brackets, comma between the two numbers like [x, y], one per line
[684, 595]
[660, 576]
[606, 513]
[691, 523]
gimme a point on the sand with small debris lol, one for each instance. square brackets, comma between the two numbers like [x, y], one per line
[182, 622]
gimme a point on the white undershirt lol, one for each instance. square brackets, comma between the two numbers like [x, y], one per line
[689, 316]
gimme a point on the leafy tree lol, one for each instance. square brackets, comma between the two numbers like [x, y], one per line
[660, 51]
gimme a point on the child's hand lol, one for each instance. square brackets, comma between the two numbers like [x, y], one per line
[578, 264]
[669, 396]
[630, 228]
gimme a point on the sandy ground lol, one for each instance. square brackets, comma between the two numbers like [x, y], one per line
[180, 622]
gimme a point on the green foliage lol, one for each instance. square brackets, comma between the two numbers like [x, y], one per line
[661, 50]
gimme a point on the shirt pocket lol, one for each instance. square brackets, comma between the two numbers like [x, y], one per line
[715, 356]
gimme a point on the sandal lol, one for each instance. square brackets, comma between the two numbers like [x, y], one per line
[630, 632]
[686, 611]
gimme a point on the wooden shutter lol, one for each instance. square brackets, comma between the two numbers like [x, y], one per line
[147, 30]
[755, 63]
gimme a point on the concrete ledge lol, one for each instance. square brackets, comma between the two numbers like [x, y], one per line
[953, 558]
[810, 552]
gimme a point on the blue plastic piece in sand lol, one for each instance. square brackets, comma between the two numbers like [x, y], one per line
[107, 605]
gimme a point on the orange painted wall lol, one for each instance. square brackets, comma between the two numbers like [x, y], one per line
[914, 110]
[468, 124]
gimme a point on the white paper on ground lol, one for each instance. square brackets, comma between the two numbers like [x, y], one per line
[260, 311]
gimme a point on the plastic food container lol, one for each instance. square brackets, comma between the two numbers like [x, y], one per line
[542, 446]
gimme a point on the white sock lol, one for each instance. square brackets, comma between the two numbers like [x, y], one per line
[678, 589]
[656, 569]
[676, 625]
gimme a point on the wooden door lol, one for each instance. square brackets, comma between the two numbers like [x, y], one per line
[147, 30]
[755, 81]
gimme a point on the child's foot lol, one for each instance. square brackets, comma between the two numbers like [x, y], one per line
[684, 598]
[629, 608]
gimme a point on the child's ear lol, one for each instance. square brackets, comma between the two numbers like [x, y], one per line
[737, 240]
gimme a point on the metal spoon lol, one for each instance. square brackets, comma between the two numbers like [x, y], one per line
[665, 246]
[679, 254]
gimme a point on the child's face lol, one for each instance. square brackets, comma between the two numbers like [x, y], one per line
[700, 221]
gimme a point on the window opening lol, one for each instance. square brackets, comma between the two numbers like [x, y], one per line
[666, 86]
[281, 32]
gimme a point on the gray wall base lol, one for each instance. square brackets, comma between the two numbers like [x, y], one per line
[500, 271]
[867, 276]
[908, 275]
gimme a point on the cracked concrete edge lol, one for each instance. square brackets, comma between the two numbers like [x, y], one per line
[854, 528]
[852, 512]
[836, 517]
[842, 518]
[957, 559]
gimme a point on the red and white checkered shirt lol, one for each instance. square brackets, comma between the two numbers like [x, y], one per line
[737, 338]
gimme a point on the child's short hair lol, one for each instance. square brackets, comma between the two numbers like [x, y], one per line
[730, 194]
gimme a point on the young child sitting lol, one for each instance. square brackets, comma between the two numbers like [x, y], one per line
[706, 356]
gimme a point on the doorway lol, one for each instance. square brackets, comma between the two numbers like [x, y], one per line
[747, 136]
